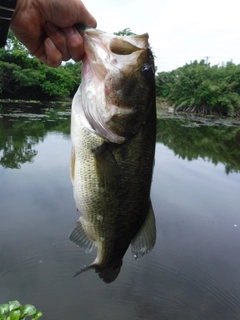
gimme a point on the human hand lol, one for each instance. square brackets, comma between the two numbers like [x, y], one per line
[45, 27]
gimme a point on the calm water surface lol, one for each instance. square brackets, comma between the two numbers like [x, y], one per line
[193, 272]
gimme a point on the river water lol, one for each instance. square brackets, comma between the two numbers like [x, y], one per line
[193, 272]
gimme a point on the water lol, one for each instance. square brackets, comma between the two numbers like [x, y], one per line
[193, 272]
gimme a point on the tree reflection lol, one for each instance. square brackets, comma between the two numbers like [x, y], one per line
[188, 139]
[16, 153]
[18, 136]
[218, 144]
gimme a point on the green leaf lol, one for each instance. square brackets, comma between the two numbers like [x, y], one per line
[15, 315]
[28, 310]
[4, 308]
[37, 315]
[3, 317]
[14, 305]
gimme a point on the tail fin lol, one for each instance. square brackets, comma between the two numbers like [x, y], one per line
[108, 274]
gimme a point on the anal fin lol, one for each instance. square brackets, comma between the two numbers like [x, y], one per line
[145, 239]
[80, 238]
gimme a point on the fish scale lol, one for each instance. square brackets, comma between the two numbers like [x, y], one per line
[112, 164]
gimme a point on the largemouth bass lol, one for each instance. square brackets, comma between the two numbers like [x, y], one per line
[113, 132]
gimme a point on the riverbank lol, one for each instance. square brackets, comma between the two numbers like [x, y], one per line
[57, 103]
[164, 109]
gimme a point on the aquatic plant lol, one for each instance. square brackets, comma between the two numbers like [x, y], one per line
[51, 112]
[15, 311]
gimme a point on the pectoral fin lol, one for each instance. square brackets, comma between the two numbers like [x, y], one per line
[106, 167]
[79, 237]
[145, 239]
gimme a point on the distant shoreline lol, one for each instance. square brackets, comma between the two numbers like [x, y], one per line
[161, 106]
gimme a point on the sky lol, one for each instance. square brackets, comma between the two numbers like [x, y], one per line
[180, 31]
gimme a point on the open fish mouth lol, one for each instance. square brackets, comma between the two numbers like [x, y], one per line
[112, 65]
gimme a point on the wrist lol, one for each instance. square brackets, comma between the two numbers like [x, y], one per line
[7, 8]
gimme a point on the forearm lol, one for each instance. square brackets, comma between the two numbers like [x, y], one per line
[7, 8]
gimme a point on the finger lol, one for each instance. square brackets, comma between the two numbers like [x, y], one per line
[74, 43]
[86, 18]
[58, 38]
[74, 12]
[52, 57]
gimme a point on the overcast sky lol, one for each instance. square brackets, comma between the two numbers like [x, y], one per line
[180, 31]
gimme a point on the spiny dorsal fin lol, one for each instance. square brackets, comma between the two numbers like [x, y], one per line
[145, 239]
[79, 237]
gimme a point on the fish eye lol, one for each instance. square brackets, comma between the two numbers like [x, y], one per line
[147, 71]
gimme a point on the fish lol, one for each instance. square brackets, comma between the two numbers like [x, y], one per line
[113, 133]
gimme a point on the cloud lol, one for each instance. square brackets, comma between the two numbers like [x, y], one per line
[179, 31]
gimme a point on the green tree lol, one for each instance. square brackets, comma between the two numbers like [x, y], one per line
[23, 76]
[125, 32]
[200, 87]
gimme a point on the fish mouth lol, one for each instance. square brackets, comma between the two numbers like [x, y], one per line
[137, 41]
[111, 82]
[105, 51]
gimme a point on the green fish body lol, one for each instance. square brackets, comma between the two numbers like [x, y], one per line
[113, 132]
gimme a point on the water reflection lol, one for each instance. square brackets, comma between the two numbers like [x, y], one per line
[213, 140]
[18, 138]
[192, 272]
[210, 140]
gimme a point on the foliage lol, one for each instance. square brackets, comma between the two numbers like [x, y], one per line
[15, 311]
[200, 87]
[23, 76]
[125, 32]
[196, 87]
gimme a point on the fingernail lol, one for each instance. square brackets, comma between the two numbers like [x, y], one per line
[50, 43]
[52, 63]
